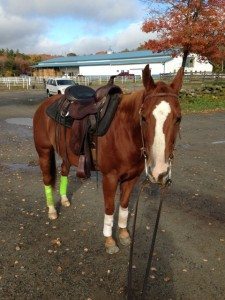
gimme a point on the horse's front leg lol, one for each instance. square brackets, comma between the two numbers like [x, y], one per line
[110, 183]
[126, 188]
[65, 168]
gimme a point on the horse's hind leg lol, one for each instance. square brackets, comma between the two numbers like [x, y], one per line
[65, 168]
[48, 168]
[126, 188]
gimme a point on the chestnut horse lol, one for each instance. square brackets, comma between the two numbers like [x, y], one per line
[141, 136]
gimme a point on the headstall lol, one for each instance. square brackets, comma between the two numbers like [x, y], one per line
[143, 148]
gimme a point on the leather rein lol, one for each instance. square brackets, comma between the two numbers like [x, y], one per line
[145, 182]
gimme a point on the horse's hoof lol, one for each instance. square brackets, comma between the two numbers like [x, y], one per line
[112, 249]
[125, 241]
[65, 202]
[53, 215]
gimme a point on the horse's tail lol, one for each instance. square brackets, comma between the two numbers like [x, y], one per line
[53, 168]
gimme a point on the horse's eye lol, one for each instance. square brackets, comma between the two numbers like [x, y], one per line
[143, 119]
[178, 120]
[171, 156]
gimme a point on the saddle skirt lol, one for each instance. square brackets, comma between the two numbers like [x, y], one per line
[89, 113]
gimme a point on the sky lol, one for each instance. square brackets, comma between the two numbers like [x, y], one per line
[59, 27]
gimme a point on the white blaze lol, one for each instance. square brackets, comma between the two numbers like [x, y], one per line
[160, 113]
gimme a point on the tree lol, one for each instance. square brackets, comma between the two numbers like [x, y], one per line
[14, 63]
[22, 65]
[184, 26]
[124, 50]
[3, 60]
[71, 54]
[140, 47]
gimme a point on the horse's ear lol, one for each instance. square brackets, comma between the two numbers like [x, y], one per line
[147, 79]
[178, 80]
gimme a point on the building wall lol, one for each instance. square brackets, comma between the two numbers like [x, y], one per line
[73, 71]
[156, 68]
[174, 65]
[109, 70]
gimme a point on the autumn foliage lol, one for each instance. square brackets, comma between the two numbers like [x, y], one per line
[14, 63]
[197, 26]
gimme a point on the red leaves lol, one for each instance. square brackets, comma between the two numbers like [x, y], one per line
[196, 24]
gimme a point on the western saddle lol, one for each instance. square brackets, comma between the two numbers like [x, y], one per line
[89, 114]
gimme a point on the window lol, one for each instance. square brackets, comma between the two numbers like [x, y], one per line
[190, 62]
[65, 82]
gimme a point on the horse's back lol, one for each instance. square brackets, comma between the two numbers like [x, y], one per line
[42, 122]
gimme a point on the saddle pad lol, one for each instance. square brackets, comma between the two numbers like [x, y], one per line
[53, 112]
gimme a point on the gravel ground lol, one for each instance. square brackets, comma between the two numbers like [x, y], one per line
[65, 259]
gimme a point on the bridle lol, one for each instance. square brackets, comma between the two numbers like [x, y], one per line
[144, 152]
[148, 178]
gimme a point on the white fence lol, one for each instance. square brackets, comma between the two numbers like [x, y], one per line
[196, 76]
[39, 82]
[21, 82]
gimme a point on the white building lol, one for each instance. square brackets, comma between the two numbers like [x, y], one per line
[114, 63]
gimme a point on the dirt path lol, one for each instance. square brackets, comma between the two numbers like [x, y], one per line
[65, 259]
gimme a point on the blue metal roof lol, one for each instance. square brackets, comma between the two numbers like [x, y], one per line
[133, 57]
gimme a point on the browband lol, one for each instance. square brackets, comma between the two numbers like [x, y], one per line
[162, 94]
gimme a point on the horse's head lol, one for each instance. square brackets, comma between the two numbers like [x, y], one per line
[160, 121]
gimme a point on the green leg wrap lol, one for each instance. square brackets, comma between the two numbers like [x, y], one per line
[49, 195]
[63, 185]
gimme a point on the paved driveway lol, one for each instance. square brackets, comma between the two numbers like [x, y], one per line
[189, 258]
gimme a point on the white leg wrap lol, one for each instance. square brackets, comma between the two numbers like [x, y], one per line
[51, 209]
[123, 216]
[52, 213]
[108, 224]
[64, 201]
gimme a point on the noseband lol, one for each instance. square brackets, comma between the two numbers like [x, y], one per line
[143, 148]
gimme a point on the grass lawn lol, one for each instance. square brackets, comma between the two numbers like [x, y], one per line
[203, 97]
[202, 103]
[195, 99]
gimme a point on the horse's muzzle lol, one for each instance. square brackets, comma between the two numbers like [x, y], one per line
[164, 179]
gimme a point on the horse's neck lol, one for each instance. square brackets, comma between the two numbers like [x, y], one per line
[130, 106]
[128, 121]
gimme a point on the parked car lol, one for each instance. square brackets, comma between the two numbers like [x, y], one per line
[58, 85]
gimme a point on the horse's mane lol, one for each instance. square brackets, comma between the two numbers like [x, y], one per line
[130, 105]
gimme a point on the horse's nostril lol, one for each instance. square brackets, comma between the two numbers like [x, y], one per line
[168, 182]
[161, 176]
